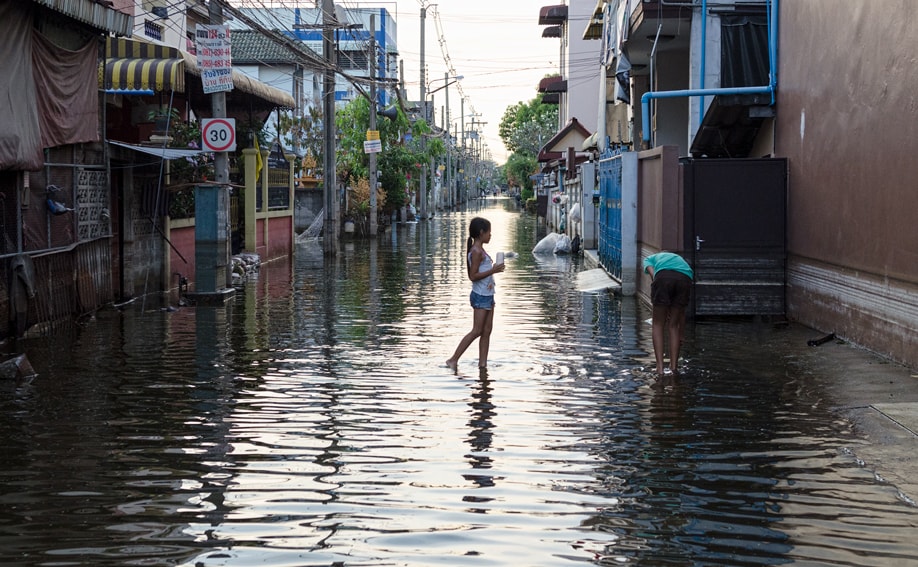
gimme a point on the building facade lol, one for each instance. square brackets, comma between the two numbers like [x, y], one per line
[715, 82]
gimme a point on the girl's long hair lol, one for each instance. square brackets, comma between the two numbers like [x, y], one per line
[476, 227]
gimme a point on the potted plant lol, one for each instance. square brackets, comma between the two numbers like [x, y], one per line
[164, 120]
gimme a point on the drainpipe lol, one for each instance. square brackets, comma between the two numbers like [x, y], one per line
[770, 88]
[704, 55]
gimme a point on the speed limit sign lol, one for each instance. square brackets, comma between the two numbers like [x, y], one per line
[219, 134]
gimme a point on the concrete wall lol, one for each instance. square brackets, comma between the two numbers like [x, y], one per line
[308, 203]
[846, 120]
[583, 81]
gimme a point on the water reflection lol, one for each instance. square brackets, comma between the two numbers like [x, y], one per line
[480, 435]
[310, 422]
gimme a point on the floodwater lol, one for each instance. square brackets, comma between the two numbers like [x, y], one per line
[312, 422]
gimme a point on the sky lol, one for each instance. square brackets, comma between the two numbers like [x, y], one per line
[495, 45]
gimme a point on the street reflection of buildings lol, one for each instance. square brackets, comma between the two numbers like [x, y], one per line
[481, 436]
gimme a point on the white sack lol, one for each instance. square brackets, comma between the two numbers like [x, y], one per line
[547, 244]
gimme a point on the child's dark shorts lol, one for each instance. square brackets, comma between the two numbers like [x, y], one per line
[670, 288]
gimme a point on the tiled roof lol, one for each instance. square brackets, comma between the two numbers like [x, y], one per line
[254, 47]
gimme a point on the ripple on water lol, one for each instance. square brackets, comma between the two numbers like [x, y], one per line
[314, 423]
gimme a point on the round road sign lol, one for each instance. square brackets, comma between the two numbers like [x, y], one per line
[219, 134]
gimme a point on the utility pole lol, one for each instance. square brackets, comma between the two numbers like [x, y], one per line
[330, 177]
[373, 174]
[213, 275]
[401, 78]
[464, 164]
[451, 198]
[423, 180]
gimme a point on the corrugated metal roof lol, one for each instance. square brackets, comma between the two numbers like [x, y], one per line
[159, 151]
[94, 13]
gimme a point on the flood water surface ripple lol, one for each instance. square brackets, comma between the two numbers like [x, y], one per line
[313, 422]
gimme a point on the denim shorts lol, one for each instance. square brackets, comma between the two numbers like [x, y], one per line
[479, 301]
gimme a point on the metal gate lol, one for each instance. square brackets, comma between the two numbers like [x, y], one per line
[610, 212]
[735, 213]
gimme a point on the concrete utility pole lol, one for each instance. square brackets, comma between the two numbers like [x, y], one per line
[216, 252]
[423, 181]
[374, 228]
[330, 178]
[451, 201]
[401, 78]
[464, 161]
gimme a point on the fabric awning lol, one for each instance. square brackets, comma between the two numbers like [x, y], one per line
[553, 84]
[552, 15]
[96, 13]
[159, 151]
[136, 66]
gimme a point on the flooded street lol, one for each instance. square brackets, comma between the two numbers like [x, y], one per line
[312, 422]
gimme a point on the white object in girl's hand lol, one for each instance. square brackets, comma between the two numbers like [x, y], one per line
[500, 257]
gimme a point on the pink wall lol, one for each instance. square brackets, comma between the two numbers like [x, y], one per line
[183, 240]
[280, 235]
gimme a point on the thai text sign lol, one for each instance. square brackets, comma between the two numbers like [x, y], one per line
[214, 57]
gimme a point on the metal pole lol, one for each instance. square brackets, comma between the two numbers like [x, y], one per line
[423, 181]
[373, 174]
[329, 22]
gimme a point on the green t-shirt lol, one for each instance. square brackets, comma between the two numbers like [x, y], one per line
[668, 261]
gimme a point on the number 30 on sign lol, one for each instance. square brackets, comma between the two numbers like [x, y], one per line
[218, 134]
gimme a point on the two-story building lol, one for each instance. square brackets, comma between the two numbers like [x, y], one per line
[767, 142]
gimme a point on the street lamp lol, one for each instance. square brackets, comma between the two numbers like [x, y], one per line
[447, 81]
[431, 116]
[455, 79]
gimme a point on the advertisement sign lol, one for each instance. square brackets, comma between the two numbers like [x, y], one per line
[214, 57]
[372, 146]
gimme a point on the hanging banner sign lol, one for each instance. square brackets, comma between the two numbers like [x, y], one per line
[214, 57]
[372, 146]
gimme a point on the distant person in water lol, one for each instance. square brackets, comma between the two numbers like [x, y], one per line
[481, 270]
[669, 295]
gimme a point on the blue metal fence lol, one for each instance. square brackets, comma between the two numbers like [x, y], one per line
[610, 212]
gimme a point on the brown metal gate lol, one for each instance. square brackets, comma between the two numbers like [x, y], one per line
[735, 218]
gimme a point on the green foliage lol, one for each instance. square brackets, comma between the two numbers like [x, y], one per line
[304, 133]
[519, 167]
[399, 157]
[525, 127]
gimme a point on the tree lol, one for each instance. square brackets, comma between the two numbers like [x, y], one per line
[520, 166]
[304, 133]
[400, 156]
[524, 129]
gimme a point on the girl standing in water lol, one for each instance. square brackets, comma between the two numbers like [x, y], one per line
[481, 271]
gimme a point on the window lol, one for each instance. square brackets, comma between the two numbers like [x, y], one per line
[353, 60]
[153, 30]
